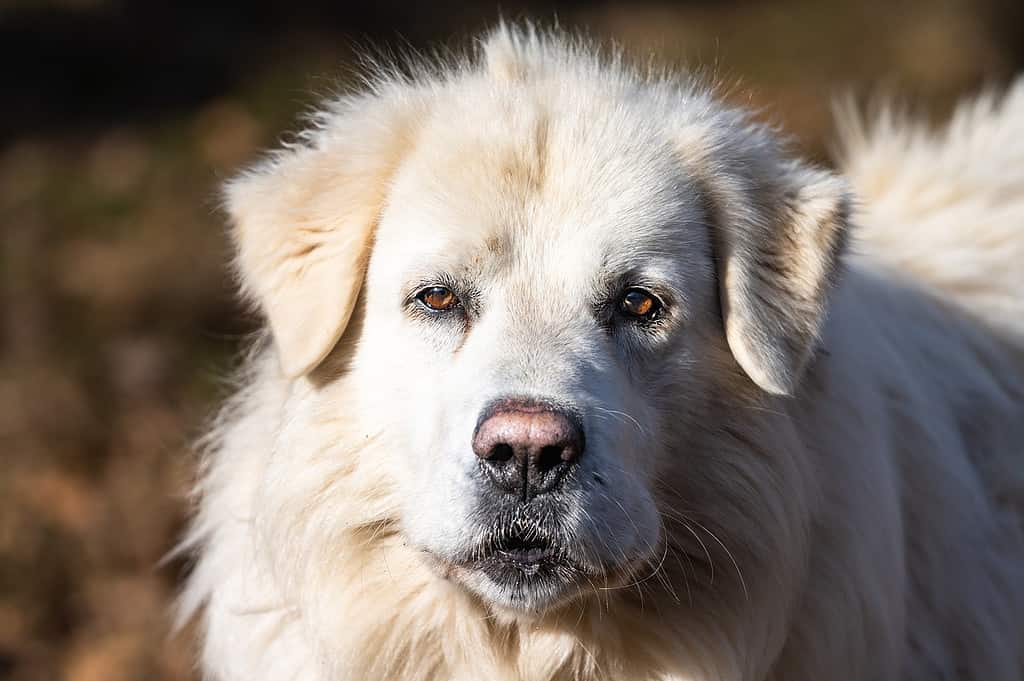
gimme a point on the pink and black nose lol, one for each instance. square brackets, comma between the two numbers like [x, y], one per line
[527, 447]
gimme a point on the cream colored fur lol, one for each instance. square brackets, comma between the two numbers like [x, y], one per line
[814, 466]
[944, 206]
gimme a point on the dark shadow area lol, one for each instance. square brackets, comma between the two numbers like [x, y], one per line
[131, 61]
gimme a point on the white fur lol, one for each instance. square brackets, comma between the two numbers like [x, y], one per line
[944, 206]
[822, 478]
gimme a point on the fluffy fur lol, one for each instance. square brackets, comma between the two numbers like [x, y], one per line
[811, 467]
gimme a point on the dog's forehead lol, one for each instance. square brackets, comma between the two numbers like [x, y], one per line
[517, 178]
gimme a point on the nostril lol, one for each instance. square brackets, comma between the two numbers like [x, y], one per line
[500, 453]
[527, 447]
[550, 457]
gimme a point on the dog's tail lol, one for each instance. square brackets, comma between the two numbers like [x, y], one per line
[946, 207]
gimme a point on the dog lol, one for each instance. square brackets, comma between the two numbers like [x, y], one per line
[574, 372]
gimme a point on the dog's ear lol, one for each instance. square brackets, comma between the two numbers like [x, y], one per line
[303, 220]
[779, 241]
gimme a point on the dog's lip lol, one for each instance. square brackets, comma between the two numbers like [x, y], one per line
[522, 555]
[525, 550]
[525, 553]
[526, 559]
[526, 556]
[519, 544]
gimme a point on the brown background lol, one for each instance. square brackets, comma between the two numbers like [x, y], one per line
[117, 323]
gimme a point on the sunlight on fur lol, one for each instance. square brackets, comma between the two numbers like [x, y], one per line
[463, 452]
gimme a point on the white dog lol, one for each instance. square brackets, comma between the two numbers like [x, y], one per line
[574, 374]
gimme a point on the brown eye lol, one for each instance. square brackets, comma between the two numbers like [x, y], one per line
[639, 303]
[438, 298]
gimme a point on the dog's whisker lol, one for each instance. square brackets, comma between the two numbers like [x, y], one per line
[623, 416]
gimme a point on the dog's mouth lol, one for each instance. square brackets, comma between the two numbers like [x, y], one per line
[520, 565]
[527, 553]
[527, 565]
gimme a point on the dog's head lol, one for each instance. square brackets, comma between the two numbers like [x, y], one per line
[551, 293]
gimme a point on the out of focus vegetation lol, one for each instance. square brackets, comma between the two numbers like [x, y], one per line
[118, 121]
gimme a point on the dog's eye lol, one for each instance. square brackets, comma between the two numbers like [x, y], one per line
[438, 298]
[638, 303]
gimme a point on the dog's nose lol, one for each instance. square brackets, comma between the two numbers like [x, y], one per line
[526, 446]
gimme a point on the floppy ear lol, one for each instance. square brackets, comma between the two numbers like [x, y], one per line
[302, 224]
[778, 256]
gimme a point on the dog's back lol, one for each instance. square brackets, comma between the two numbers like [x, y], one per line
[916, 412]
[943, 210]
[925, 357]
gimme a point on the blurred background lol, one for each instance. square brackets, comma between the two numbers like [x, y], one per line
[117, 321]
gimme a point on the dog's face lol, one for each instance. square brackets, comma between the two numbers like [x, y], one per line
[553, 299]
[537, 318]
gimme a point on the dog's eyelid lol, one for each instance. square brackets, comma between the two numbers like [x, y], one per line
[640, 304]
[415, 285]
[663, 293]
[438, 298]
[421, 292]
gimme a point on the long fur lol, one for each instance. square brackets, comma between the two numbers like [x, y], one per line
[870, 525]
[943, 207]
